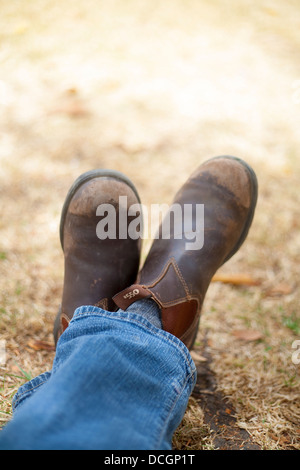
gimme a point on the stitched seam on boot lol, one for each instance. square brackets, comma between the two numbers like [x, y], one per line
[177, 271]
[160, 277]
[65, 316]
[176, 267]
[172, 303]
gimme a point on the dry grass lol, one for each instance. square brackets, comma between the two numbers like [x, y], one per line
[153, 89]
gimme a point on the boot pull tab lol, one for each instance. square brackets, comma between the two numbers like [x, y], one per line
[131, 294]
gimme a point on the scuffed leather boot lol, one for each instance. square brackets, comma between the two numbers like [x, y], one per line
[95, 269]
[177, 278]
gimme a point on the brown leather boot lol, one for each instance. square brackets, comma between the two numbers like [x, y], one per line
[95, 269]
[177, 278]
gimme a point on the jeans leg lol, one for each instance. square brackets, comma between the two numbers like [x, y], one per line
[117, 382]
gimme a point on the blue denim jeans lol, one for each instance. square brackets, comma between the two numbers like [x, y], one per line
[117, 382]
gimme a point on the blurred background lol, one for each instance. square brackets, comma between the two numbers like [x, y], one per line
[152, 89]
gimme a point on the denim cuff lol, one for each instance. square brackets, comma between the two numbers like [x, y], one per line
[142, 322]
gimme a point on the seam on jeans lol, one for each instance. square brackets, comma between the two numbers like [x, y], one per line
[158, 331]
[160, 438]
[29, 390]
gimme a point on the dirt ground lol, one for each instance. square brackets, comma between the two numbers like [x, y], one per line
[153, 89]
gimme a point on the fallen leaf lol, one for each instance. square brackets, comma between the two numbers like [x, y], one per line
[280, 289]
[72, 91]
[198, 357]
[247, 335]
[280, 439]
[74, 110]
[236, 279]
[41, 345]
